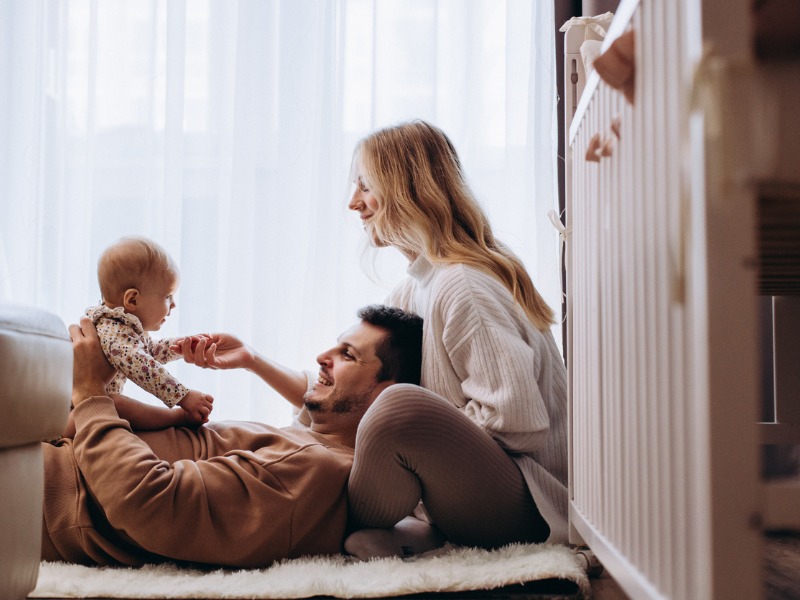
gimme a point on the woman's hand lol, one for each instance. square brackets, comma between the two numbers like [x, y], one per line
[215, 351]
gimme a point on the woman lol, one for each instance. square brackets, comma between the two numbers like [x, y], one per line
[484, 445]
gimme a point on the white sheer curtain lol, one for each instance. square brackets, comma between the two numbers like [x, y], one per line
[224, 129]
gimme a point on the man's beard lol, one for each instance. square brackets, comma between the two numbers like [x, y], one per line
[337, 403]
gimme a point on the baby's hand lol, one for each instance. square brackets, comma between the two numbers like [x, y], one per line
[187, 345]
[197, 406]
[215, 351]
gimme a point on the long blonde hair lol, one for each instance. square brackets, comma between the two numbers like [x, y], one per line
[425, 206]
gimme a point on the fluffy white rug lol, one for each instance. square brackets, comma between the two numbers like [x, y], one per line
[450, 569]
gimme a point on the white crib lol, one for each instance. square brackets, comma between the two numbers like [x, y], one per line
[663, 264]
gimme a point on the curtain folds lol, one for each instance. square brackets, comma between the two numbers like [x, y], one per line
[224, 130]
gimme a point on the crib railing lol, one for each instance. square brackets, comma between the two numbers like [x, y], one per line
[661, 345]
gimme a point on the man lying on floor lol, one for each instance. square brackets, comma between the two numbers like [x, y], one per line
[228, 494]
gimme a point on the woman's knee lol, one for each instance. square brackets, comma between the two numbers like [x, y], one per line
[399, 409]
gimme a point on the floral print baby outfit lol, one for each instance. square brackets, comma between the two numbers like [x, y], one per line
[135, 355]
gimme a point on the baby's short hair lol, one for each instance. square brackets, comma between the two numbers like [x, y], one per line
[129, 263]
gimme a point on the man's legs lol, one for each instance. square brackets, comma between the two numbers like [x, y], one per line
[411, 445]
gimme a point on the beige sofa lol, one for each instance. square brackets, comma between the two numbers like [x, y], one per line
[35, 391]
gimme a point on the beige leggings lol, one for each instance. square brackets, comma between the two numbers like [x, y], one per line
[413, 444]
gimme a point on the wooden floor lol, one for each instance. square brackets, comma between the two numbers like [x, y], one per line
[781, 571]
[605, 588]
[782, 566]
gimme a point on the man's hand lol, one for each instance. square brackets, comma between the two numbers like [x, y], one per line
[197, 407]
[215, 351]
[91, 371]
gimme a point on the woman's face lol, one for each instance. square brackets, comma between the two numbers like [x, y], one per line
[364, 202]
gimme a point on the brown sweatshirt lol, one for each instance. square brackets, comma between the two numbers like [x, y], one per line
[229, 494]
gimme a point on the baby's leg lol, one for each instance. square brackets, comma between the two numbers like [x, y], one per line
[147, 417]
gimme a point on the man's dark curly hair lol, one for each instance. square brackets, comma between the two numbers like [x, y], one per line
[400, 352]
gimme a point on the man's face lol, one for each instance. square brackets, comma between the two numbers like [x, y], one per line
[348, 374]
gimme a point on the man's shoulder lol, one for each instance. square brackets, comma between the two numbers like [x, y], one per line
[307, 437]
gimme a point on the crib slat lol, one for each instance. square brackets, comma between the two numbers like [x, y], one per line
[638, 294]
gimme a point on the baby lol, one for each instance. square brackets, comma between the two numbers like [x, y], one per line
[138, 281]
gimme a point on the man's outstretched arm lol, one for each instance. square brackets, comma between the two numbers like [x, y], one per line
[224, 351]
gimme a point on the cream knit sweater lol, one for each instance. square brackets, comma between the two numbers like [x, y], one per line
[482, 353]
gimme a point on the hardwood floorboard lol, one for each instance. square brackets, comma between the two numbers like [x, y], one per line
[782, 566]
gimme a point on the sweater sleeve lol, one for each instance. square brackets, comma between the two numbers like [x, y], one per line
[498, 380]
[215, 510]
[496, 365]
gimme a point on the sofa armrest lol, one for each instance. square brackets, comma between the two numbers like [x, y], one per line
[35, 375]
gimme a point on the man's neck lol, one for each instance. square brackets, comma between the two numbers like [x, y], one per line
[337, 436]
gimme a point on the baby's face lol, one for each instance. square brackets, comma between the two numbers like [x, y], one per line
[156, 301]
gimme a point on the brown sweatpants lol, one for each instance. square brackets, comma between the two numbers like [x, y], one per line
[413, 444]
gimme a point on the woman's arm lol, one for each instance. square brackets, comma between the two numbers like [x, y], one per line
[482, 333]
[499, 380]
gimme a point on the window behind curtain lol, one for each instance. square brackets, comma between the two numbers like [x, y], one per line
[224, 131]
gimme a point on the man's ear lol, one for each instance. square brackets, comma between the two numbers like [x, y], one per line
[130, 299]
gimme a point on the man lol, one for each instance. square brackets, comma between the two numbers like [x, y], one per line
[237, 495]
